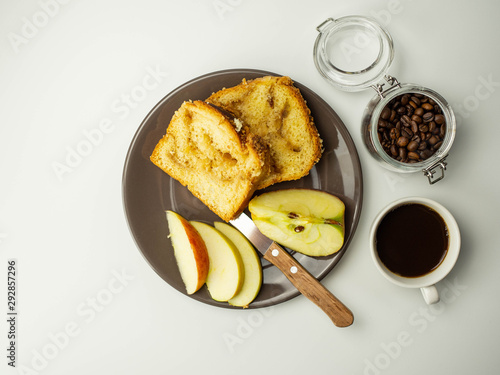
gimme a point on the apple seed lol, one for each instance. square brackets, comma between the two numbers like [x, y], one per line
[333, 222]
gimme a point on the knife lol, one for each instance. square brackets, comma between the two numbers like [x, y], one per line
[305, 283]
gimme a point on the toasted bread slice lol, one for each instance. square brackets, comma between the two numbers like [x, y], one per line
[214, 155]
[274, 109]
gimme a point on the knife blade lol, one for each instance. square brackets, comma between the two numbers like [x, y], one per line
[305, 283]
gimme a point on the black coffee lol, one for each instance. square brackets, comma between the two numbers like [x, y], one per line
[412, 240]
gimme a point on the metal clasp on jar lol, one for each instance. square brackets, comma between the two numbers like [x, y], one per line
[431, 170]
[379, 87]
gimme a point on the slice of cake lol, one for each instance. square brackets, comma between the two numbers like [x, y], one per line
[214, 156]
[274, 109]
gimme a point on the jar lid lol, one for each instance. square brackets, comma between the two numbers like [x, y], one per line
[353, 52]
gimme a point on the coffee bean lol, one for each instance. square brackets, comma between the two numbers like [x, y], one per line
[428, 116]
[433, 140]
[411, 128]
[415, 100]
[394, 150]
[406, 119]
[427, 107]
[412, 146]
[413, 156]
[393, 116]
[386, 113]
[425, 154]
[432, 126]
[416, 118]
[414, 126]
[402, 141]
[423, 128]
[406, 133]
[437, 145]
[394, 133]
[439, 119]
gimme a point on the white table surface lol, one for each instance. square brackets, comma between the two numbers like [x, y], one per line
[88, 302]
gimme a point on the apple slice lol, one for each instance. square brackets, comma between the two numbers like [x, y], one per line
[251, 262]
[226, 272]
[305, 220]
[190, 252]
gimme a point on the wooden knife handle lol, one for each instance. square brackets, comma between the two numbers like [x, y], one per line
[309, 286]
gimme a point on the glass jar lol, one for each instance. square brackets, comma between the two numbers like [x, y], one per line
[354, 53]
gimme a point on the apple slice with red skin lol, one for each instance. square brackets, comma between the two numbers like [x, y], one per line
[190, 252]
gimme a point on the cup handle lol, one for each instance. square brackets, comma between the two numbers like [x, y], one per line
[430, 294]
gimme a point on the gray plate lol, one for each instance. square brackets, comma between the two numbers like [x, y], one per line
[148, 192]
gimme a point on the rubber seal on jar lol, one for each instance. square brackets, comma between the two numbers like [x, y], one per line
[353, 52]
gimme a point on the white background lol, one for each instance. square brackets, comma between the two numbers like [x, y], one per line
[71, 73]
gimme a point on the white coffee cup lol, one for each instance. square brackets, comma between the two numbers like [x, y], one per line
[427, 282]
